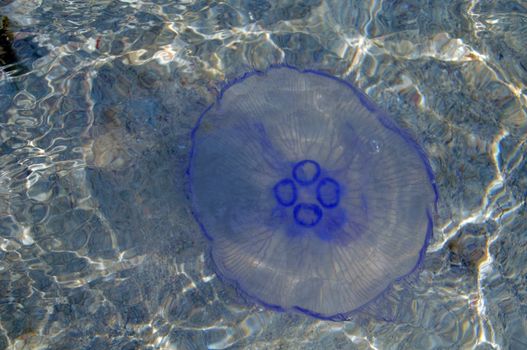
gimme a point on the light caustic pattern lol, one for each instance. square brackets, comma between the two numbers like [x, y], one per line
[453, 73]
[313, 199]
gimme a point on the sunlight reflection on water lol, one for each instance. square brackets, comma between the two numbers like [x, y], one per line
[98, 249]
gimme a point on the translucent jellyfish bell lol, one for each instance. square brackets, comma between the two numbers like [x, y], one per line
[313, 199]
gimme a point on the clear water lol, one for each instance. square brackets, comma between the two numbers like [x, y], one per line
[98, 249]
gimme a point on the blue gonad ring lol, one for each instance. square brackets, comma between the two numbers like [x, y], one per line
[313, 199]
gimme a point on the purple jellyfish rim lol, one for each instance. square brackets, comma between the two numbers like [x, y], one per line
[385, 121]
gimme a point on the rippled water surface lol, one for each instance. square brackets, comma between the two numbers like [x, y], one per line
[98, 248]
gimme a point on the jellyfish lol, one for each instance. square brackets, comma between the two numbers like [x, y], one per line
[313, 199]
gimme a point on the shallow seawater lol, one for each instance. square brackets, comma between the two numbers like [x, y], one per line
[98, 246]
